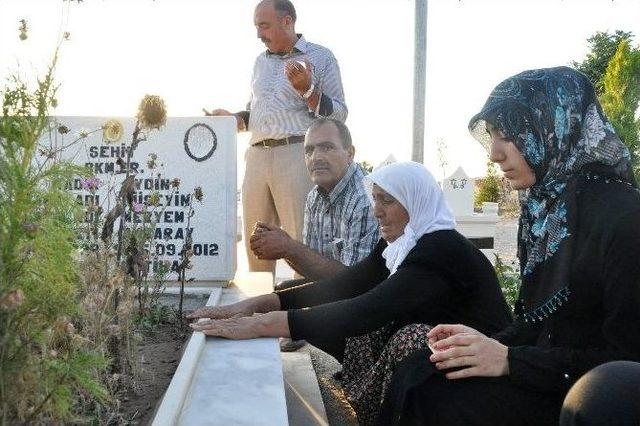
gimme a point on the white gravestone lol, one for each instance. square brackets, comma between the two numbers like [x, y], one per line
[479, 228]
[200, 151]
[458, 189]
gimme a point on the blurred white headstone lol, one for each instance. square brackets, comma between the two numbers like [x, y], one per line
[199, 151]
[459, 190]
[389, 160]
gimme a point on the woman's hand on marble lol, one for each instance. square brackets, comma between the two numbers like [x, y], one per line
[221, 312]
[237, 327]
[245, 308]
[468, 350]
[272, 324]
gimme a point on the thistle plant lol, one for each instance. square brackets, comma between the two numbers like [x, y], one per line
[186, 253]
[441, 146]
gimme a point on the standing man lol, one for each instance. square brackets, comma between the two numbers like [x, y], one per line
[293, 82]
[340, 228]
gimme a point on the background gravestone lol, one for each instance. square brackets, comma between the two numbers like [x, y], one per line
[458, 190]
[199, 151]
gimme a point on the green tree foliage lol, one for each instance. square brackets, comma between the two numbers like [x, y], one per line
[602, 48]
[621, 97]
[613, 65]
[488, 189]
[45, 366]
[509, 280]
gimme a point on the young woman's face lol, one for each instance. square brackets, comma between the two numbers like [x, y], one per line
[510, 159]
[391, 216]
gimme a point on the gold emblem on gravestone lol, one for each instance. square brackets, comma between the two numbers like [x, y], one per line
[112, 131]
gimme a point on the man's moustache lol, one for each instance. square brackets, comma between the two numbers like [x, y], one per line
[319, 166]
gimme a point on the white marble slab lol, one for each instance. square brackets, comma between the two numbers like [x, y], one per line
[174, 398]
[237, 383]
[228, 382]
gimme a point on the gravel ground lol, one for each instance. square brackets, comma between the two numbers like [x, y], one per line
[505, 241]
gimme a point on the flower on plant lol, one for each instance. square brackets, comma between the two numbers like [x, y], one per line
[175, 183]
[112, 131]
[113, 329]
[137, 207]
[83, 134]
[31, 229]
[154, 198]
[152, 112]
[197, 192]
[62, 129]
[69, 328]
[66, 35]
[120, 162]
[91, 184]
[151, 162]
[23, 28]
[12, 300]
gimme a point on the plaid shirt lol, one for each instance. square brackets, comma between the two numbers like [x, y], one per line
[340, 225]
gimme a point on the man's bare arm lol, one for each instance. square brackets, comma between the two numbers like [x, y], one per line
[311, 264]
[272, 243]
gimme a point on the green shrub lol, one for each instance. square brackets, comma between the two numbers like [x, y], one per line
[489, 188]
[509, 280]
[45, 364]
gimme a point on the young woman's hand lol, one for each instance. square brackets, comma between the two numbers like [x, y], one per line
[468, 350]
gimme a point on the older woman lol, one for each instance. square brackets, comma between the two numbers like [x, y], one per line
[371, 316]
[579, 245]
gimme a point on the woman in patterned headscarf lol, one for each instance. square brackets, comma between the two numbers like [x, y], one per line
[579, 251]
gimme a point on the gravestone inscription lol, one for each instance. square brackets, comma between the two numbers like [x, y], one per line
[166, 167]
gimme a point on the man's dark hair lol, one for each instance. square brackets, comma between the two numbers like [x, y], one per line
[284, 8]
[343, 130]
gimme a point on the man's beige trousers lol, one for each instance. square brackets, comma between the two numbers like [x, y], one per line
[275, 188]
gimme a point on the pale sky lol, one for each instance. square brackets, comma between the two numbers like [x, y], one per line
[200, 54]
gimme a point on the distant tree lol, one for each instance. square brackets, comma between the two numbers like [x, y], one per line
[488, 188]
[442, 156]
[603, 46]
[621, 96]
[366, 166]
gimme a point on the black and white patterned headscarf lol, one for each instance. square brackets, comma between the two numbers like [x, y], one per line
[554, 119]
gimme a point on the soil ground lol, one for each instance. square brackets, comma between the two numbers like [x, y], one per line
[159, 354]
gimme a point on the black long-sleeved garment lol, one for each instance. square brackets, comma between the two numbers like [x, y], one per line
[444, 279]
[601, 320]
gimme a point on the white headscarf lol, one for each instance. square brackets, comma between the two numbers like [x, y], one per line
[415, 188]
